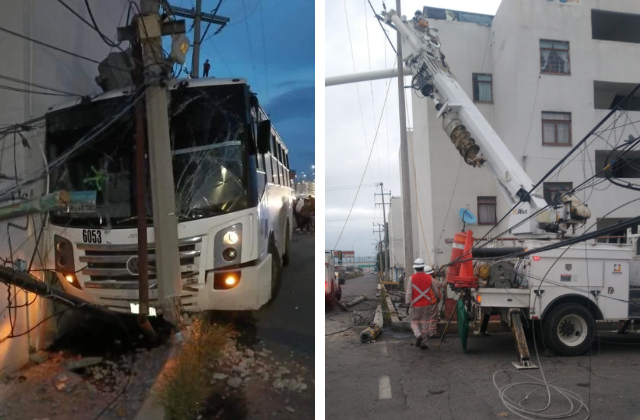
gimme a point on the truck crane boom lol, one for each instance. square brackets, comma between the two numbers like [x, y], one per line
[472, 135]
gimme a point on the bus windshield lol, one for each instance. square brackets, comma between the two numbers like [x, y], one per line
[209, 134]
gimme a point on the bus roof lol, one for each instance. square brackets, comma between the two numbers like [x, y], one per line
[173, 84]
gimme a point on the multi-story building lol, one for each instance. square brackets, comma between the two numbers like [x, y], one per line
[34, 77]
[543, 73]
[396, 242]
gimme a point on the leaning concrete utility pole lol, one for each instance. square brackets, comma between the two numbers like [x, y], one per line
[404, 166]
[165, 222]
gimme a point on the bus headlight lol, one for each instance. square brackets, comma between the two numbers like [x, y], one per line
[228, 246]
[230, 238]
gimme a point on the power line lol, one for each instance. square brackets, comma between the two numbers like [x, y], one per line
[264, 54]
[247, 16]
[366, 166]
[246, 25]
[24, 82]
[353, 61]
[44, 44]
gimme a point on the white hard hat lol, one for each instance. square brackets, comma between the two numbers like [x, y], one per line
[418, 263]
[428, 269]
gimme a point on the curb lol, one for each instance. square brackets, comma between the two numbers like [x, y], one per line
[149, 410]
[395, 321]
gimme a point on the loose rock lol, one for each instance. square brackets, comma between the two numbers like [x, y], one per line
[234, 382]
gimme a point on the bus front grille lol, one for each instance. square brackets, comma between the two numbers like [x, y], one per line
[115, 266]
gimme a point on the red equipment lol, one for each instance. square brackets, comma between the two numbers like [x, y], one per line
[465, 277]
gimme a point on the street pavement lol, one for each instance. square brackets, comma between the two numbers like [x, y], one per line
[288, 323]
[392, 379]
[286, 328]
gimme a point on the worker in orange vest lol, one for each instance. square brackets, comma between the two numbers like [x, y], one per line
[422, 296]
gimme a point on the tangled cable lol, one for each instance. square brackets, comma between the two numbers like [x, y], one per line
[516, 407]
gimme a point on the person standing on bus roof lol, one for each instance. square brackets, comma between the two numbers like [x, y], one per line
[423, 297]
[205, 68]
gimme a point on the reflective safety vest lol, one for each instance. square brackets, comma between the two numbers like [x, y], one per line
[422, 293]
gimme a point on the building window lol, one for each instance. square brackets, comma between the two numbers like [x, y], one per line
[624, 164]
[553, 190]
[608, 95]
[486, 210]
[556, 128]
[554, 57]
[482, 87]
[617, 236]
[614, 26]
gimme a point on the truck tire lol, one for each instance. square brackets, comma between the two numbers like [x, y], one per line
[338, 293]
[276, 271]
[569, 329]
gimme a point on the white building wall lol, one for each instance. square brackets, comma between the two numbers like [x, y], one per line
[509, 49]
[396, 242]
[49, 22]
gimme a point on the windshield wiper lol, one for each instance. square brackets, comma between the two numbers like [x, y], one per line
[200, 212]
[128, 219]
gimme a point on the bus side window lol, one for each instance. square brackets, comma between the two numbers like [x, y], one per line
[276, 175]
[266, 160]
[274, 159]
[280, 171]
[260, 162]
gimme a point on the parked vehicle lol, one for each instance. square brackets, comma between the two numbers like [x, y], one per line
[331, 282]
[564, 288]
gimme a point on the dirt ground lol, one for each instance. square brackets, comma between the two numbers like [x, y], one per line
[249, 381]
[50, 390]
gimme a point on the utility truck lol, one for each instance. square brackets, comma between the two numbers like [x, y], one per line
[549, 275]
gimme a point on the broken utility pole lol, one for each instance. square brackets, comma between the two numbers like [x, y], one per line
[141, 199]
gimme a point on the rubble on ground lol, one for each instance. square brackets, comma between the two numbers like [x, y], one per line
[240, 365]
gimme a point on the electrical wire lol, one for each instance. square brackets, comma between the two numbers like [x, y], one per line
[87, 139]
[573, 191]
[39, 86]
[366, 166]
[246, 25]
[353, 62]
[44, 44]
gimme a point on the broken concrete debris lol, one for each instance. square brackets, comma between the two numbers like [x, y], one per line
[356, 301]
[234, 382]
[85, 362]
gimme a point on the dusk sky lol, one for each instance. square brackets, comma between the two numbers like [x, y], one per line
[272, 45]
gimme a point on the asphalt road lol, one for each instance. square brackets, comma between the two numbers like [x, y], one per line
[392, 379]
[288, 323]
[286, 328]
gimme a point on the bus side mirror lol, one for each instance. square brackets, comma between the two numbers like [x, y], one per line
[264, 137]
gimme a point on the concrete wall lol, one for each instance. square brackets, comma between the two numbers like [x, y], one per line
[396, 241]
[509, 49]
[49, 22]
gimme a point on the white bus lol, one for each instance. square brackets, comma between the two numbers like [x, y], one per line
[233, 199]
